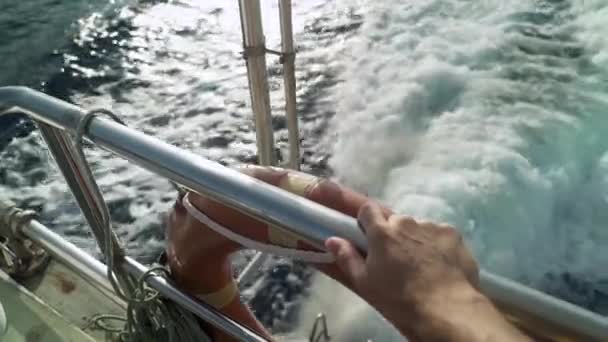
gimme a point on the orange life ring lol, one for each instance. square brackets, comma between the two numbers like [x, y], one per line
[199, 256]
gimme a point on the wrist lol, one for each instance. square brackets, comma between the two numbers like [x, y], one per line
[440, 301]
[437, 311]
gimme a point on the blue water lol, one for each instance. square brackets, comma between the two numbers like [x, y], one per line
[488, 115]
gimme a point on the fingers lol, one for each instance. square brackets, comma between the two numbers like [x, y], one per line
[470, 266]
[371, 217]
[348, 259]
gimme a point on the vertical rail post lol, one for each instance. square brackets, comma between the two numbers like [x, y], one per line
[255, 56]
[289, 80]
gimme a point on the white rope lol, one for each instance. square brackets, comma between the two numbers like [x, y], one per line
[306, 256]
[256, 263]
[107, 240]
[149, 316]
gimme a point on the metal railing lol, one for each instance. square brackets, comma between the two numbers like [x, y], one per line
[62, 148]
[309, 220]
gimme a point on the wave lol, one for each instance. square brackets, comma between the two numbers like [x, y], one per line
[490, 117]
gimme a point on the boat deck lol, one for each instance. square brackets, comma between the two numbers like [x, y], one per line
[56, 306]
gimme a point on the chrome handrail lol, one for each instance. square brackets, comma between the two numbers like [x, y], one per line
[309, 220]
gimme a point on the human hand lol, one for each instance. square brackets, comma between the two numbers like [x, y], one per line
[410, 266]
[410, 259]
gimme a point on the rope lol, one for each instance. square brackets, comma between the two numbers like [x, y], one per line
[170, 322]
[20, 259]
[319, 331]
[111, 249]
[306, 256]
[149, 317]
[14, 219]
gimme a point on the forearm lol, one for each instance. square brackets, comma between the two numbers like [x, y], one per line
[457, 314]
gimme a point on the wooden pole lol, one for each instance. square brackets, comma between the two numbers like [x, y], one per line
[255, 54]
[289, 79]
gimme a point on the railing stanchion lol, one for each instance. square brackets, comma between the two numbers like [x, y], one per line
[289, 80]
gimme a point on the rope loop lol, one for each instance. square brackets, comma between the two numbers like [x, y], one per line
[149, 318]
[144, 294]
[100, 322]
[107, 240]
[83, 125]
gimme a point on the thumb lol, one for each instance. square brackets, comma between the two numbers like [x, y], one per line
[348, 259]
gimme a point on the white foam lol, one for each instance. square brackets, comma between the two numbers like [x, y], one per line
[349, 318]
[591, 16]
[430, 124]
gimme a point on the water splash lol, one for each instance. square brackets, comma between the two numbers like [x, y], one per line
[492, 121]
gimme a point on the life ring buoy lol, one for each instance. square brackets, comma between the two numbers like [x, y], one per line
[198, 254]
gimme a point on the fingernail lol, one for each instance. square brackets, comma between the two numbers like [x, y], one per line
[332, 245]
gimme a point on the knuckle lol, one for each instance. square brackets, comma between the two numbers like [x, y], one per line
[450, 233]
[472, 271]
[366, 210]
[397, 225]
[365, 215]
[450, 239]
[445, 226]
[373, 228]
[402, 221]
[432, 226]
[378, 229]
[393, 219]
[365, 207]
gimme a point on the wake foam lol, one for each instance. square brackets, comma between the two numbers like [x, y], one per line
[490, 117]
[349, 318]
